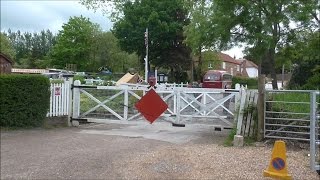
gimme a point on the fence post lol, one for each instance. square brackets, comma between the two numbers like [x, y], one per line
[261, 102]
[243, 98]
[69, 102]
[76, 100]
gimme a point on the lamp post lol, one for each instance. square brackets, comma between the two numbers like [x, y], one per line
[146, 58]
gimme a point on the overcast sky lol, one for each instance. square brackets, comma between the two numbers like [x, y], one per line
[34, 16]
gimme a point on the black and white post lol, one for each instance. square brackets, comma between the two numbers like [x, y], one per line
[146, 58]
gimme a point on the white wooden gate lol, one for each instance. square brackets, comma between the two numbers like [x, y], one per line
[59, 99]
[185, 105]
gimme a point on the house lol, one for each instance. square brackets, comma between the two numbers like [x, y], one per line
[248, 68]
[5, 64]
[229, 64]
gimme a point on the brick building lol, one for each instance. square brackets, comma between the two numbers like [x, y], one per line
[229, 64]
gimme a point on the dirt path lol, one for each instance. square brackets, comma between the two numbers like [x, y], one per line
[92, 152]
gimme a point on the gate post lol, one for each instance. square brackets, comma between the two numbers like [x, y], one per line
[69, 100]
[313, 134]
[126, 104]
[177, 91]
[76, 99]
[261, 107]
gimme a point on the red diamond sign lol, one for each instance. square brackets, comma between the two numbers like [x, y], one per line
[151, 106]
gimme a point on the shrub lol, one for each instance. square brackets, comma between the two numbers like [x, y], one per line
[252, 83]
[80, 78]
[24, 100]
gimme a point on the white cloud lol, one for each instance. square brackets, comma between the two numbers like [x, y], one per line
[34, 16]
[235, 52]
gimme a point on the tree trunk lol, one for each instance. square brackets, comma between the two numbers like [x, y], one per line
[200, 65]
[192, 71]
[273, 73]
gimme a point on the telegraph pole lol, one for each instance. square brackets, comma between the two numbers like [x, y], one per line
[146, 58]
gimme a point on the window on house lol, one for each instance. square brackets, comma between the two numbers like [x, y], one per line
[223, 65]
[238, 68]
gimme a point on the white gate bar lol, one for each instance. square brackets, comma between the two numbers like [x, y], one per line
[99, 102]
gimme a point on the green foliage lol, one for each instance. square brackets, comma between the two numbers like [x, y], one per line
[74, 43]
[165, 20]
[80, 78]
[263, 25]
[106, 52]
[6, 46]
[252, 83]
[32, 49]
[304, 53]
[229, 140]
[209, 58]
[24, 100]
[313, 82]
[56, 81]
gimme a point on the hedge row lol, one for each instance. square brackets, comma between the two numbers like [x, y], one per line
[252, 83]
[24, 100]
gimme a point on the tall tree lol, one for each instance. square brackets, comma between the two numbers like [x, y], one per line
[6, 46]
[261, 24]
[74, 43]
[106, 52]
[197, 31]
[31, 49]
[165, 21]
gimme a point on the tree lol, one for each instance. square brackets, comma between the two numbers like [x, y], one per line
[106, 52]
[305, 57]
[6, 46]
[74, 43]
[165, 21]
[262, 25]
[32, 50]
[196, 31]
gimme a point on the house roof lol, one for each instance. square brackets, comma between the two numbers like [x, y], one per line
[226, 58]
[6, 57]
[248, 63]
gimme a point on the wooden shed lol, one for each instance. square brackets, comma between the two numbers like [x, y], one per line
[5, 64]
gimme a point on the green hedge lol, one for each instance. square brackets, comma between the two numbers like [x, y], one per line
[252, 83]
[24, 100]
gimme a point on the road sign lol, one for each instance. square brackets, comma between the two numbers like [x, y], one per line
[57, 91]
[278, 163]
[151, 106]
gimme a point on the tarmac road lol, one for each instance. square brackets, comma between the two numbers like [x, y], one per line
[134, 151]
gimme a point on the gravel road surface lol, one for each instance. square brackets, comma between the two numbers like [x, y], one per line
[136, 151]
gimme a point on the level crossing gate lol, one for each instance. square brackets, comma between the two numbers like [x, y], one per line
[294, 115]
[185, 105]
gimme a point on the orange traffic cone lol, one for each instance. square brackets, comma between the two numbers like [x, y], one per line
[278, 166]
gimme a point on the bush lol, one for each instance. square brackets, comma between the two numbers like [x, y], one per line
[80, 78]
[24, 100]
[313, 83]
[252, 83]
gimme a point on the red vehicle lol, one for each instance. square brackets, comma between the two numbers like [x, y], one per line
[217, 79]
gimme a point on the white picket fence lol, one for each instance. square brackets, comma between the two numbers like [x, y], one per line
[59, 99]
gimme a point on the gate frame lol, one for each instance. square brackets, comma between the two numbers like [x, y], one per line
[313, 131]
[175, 92]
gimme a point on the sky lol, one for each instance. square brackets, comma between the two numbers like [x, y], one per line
[37, 15]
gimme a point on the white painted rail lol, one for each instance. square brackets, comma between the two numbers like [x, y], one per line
[59, 99]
